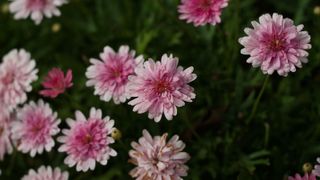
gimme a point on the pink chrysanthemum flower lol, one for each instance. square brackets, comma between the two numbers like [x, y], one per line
[5, 142]
[161, 87]
[156, 158]
[35, 127]
[316, 170]
[87, 140]
[17, 72]
[202, 12]
[46, 173]
[109, 76]
[276, 44]
[36, 9]
[56, 83]
[305, 177]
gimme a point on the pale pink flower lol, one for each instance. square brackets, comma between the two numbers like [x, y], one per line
[316, 170]
[161, 87]
[46, 173]
[5, 141]
[35, 127]
[276, 44]
[36, 9]
[109, 76]
[87, 140]
[305, 177]
[17, 72]
[156, 158]
[56, 83]
[202, 12]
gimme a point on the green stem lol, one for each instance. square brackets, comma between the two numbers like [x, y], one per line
[256, 103]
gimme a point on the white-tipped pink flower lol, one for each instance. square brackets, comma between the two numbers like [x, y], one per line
[202, 12]
[46, 173]
[276, 44]
[156, 158]
[161, 87]
[36, 9]
[35, 127]
[109, 76]
[87, 141]
[17, 72]
[316, 170]
[5, 142]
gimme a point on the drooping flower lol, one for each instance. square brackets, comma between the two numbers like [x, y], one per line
[156, 158]
[109, 76]
[46, 173]
[5, 142]
[36, 9]
[87, 141]
[17, 72]
[35, 127]
[305, 177]
[276, 44]
[161, 87]
[202, 12]
[316, 170]
[56, 83]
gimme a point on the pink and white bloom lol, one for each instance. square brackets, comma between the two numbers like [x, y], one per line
[5, 141]
[35, 127]
[46, 173]
[316, 170]
[109, 76]
[88, 140]
[276, 44]
[17, 72]
[56, 83]
[161, 87]
[36, 9]
[305, 177]
[202, 12]
[156, 158]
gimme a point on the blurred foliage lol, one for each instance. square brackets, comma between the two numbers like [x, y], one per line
[284, 134]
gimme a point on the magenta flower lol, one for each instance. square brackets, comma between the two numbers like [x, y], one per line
[202, 12]
[316, 170]
[161, 87]
[305, 177]
[17, 72]
[109, 76]
[276, 44]
[46, 173]
[56, 83]
[156, 158]
[36, 9]
[5, 142]
[34, 128]
[87, 140]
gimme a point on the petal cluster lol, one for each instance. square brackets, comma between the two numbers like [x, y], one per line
[160, 87]
[305, 177]
[276, 44]
[5, 141]
[316, 170]
[35, 127]
[87, 141]
[109, 76]
[202, 12]
[46, 173]
[156, 158]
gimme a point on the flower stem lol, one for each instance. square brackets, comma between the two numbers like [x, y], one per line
[256, 103]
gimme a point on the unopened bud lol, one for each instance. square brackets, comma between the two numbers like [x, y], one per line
[5, 8]
[56, 27]
[316, 10]
[307, 168]
[116, 134]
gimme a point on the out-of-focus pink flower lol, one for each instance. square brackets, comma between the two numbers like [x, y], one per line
[202, 12]
[87, 141]
[5, 142]
[35, 127]
[46, 173]
[276, 44]
[161, 87]
[109, 76]
[156, 158]
[36, 9]
[56, 83]
[305, 177]
[17, 72]
[316, 170]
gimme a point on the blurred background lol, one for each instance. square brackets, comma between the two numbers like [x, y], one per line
[284, 134]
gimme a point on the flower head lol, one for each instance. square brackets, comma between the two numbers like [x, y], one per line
[56, 83]
[316, 170]
[276, 44]
[17, 72]
[34, 128]
[202, 12]
[46, 173]
[109, 76]
[36, 9]
[161, 87]
[156, 158]
[5, 141]
[87, 140]
[305, 177]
